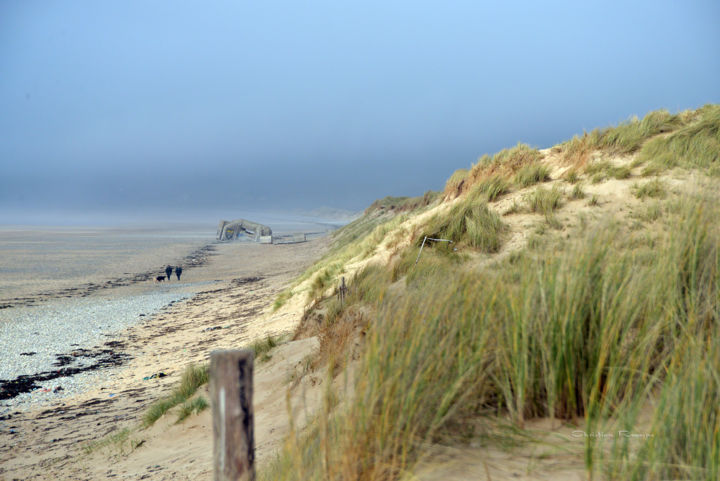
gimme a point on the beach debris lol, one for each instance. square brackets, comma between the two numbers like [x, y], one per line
[245, 280]
[214, 328]
[58, 389]
[64, 360]
[154, 376]
[101, 358]
[31, 353]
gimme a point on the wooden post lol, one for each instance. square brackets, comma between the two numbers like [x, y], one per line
[342, 292]
[231, 388]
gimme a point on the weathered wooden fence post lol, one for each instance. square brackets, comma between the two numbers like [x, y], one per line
[231, 389]
[342, 292]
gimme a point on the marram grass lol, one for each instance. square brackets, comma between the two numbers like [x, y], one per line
[531, 174]
[689, 138]
[504, 164]
[493, 187]
[594, 329]
[544, 201]
[470, 222]
[695, 145]
[192, 378]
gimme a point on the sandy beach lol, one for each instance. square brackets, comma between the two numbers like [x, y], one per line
[42, 263]
[225, 302]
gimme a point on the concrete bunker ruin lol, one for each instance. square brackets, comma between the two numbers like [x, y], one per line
[231, 230]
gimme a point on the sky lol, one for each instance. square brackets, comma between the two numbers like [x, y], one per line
[216, 108]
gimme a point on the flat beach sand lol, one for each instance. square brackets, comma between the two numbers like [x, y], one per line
[226, 303]
[41, 263]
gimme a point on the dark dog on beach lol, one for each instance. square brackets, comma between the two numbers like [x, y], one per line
[159, 278]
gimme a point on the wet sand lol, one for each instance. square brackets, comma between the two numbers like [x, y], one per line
[232, 308]
[38, 264]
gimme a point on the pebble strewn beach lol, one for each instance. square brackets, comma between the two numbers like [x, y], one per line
[32, 337]
[69, 292]
[73, 333]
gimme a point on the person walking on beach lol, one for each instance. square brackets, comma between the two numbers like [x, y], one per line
[168, 271]
[178, 271]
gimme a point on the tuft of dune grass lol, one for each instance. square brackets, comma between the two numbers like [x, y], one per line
[544, 201]
[469, 222]
[577, 192]
[601, 170]
[507, 161]
[627, 137]
[262, 347]
[454, 185]
[655, 189]
[493, 187]
[403, 204]
[695, 145]
[572, 176]
[531, 174]
[282, 298]
[195, 406]
[192, 378]
[504, 164]
[577, 151]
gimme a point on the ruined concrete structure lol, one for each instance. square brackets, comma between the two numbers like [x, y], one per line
[230, 230]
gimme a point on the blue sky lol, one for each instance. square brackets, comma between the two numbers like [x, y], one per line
[234, 105]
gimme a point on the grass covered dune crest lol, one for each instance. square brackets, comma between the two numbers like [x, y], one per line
[614, 325]
[660, 140]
